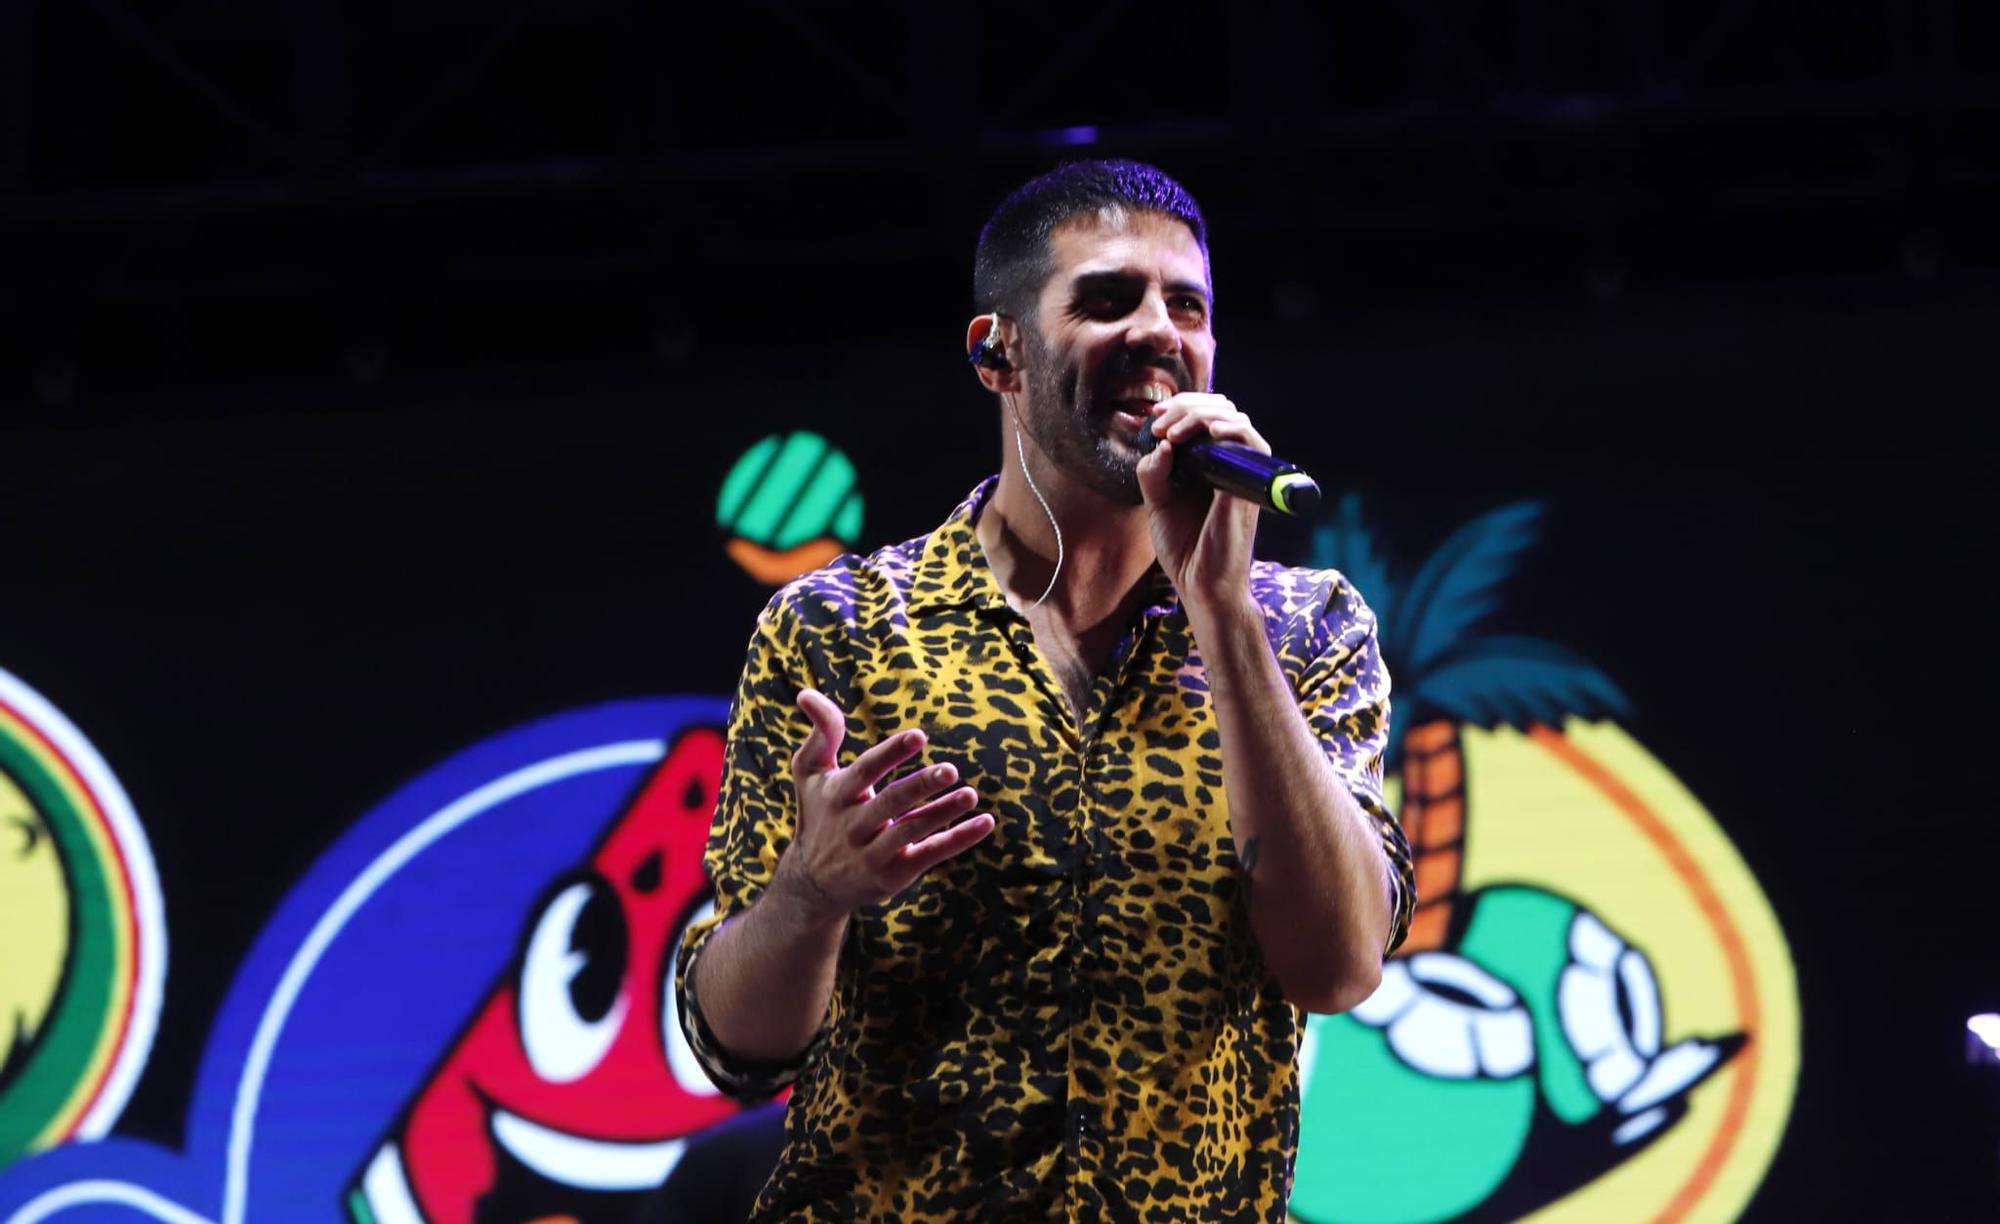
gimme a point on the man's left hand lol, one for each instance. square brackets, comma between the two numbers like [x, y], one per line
[1203, 539]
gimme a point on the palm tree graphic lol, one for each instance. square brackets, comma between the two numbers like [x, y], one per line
[1447, 674]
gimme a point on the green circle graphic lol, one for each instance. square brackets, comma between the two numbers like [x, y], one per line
[790, 489]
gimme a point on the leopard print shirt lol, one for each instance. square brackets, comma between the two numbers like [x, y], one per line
[1071, 1020]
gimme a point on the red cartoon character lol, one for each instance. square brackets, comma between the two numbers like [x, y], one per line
[572, 1094]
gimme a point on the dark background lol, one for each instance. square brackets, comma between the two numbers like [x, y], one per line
[367, 374]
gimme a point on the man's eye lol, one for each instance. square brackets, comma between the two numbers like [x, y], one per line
[1103, 306]
[1187, 303]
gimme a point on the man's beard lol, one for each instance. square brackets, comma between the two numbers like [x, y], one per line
[1076, 436]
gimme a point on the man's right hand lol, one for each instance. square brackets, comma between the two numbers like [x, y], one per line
[857, 845]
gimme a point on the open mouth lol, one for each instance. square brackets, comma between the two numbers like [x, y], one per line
[1141, 394]
[543, 1174]
[1131, 402]
[589, 1164]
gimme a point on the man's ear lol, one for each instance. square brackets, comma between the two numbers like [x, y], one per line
[987, 347]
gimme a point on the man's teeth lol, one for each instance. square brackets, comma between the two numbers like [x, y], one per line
[1153, 393]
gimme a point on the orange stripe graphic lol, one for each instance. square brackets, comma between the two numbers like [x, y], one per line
[1742, 984]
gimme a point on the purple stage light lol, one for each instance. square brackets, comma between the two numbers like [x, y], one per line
[1083, 134]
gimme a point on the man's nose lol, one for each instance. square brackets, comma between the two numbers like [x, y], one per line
[1150, 327]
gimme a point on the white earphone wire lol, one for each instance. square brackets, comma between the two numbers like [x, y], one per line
[1021, 449]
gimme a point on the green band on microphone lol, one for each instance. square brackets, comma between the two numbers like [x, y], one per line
[1294, 493]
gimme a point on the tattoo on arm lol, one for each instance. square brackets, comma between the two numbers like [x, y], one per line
[1251, 849]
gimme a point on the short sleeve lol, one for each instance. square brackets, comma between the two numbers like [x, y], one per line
[754, 822]
[1344, 694]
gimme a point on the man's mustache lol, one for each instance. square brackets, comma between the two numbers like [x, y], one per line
[1132, 360]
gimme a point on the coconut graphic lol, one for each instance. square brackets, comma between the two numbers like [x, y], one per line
[789, 505]
[1595, 1015]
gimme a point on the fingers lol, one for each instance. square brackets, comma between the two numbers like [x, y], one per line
[820, 751]
[899, 803]
[1238, 429]
[1193, 414]
[1186, 416]
[913, 788]
[921, 856]
[1156, 472]
[857, 782]
[822, 744]
[920, 822]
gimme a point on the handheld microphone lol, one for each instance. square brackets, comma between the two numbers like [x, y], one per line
[1235, 469]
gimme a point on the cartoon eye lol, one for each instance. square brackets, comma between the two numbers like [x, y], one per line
[571, 1004]
[1449, 1018]
[680, 1057]
[1609, 1001]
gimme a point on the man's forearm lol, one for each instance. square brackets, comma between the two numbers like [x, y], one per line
[1320, 896]
[763, 979]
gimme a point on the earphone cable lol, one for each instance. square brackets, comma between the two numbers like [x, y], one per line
[1021, 449]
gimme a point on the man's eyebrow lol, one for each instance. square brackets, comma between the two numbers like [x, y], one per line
[1106, 279]
[1120, 278]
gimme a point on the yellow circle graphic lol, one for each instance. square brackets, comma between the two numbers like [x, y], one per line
[1602, 1024]
[1590, 811]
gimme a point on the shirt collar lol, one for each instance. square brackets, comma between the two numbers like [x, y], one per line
[953, 572]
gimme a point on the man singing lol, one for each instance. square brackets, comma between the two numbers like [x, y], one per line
[1039, 833]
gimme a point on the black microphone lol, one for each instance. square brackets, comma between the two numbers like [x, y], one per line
[1235, 469]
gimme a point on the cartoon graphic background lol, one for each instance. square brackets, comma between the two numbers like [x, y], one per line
[85, 942]
[369, 970]
[241, 854]
[1585, 811]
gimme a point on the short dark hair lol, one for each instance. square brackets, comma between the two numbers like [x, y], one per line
[1013, 260]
